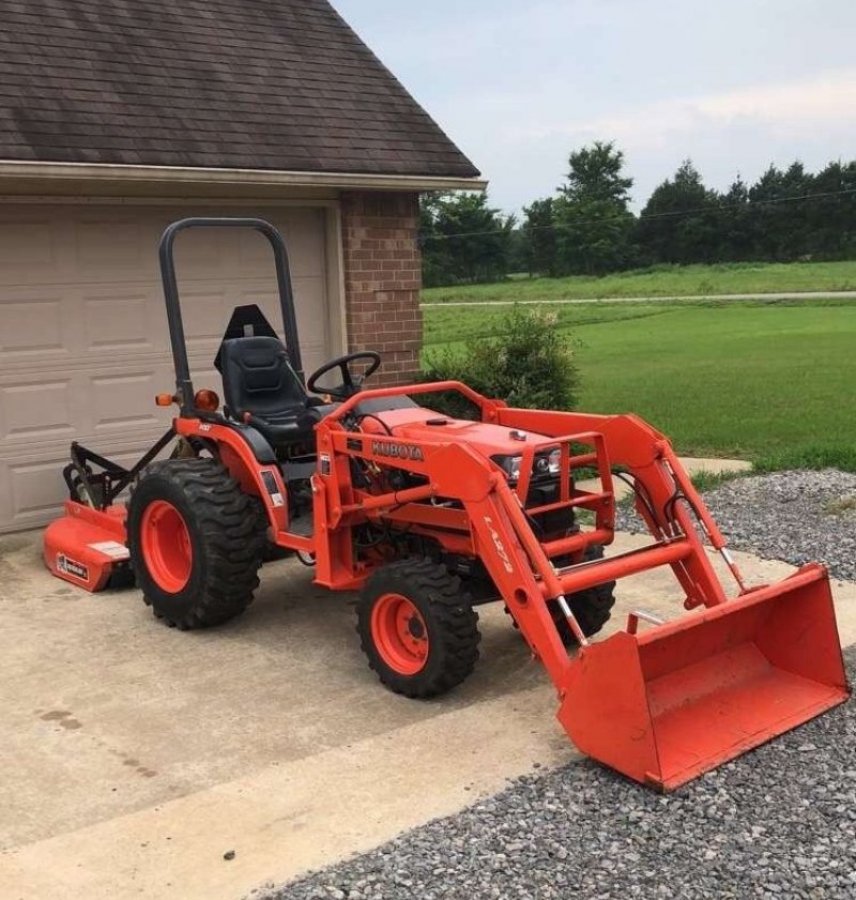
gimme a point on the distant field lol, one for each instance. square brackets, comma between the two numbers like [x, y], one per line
[774, 382]
[663, 281]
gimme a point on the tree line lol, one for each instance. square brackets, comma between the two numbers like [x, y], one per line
[588, 228]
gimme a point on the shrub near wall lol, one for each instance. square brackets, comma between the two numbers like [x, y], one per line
[529, 364]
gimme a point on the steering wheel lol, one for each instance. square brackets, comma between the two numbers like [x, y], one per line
[351, 383]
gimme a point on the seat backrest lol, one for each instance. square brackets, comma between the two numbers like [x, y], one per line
[258, 378]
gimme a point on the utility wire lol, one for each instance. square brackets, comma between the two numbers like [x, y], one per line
[663, 215]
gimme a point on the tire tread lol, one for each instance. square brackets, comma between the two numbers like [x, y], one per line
[454, 621]
[230, 527]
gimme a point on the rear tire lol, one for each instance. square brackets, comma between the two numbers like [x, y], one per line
[196, 542]
[418, 628]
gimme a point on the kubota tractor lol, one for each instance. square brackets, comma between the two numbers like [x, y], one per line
[428, 516]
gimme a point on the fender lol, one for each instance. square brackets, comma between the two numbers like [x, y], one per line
[261, 479]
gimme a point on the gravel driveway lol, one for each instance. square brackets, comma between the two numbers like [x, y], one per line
[780, 821]
[797, 517]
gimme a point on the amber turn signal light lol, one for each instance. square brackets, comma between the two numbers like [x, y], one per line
[206, 400]
[164, 400]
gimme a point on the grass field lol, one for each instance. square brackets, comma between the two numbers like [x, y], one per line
[774, 382]
[663, 281]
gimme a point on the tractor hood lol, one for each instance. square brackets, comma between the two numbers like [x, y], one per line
[419, 424]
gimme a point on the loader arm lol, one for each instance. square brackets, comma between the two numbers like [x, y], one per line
[665, 498]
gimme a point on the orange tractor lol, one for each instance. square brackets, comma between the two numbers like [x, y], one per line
[428, 516]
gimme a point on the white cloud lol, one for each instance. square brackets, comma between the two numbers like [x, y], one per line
[798, 107]
[828, 97]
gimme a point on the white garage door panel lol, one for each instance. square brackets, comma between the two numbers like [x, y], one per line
[34, 486]
[84, 345]
[36, 410]
[24, 244]
[119, 321]
[124, 401]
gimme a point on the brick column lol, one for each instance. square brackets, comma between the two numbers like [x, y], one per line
[383, 277]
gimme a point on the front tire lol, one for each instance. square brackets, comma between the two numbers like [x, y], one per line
[196, 542]
[418, 628]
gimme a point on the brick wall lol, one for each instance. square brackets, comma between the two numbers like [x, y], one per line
[383, 277]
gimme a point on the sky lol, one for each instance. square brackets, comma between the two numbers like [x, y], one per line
[731, 84]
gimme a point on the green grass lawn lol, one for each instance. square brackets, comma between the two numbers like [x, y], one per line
[771, 382]
[663, 281]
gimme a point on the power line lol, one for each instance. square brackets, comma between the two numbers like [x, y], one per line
[664, 215]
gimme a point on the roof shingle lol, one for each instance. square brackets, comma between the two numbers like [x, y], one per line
[245, 84]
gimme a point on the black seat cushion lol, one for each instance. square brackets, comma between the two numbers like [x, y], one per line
[258, 379]
[287, 429]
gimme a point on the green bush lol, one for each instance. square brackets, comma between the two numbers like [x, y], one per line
[529, 364]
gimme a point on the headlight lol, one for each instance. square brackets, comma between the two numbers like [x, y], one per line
[510, 465]
[545, 465]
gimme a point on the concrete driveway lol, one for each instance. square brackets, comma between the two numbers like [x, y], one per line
[135, 757]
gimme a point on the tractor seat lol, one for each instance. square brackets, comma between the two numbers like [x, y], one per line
[258, 380]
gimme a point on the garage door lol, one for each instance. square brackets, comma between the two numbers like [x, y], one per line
[83, 340]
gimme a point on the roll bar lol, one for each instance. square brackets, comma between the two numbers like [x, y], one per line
[183, 382]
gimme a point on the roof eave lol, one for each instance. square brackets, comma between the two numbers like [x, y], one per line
[108, 172]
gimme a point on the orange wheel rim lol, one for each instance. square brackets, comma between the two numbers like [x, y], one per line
[167, 550]
[400, 634]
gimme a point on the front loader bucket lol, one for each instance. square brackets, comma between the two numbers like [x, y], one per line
[682, 698]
